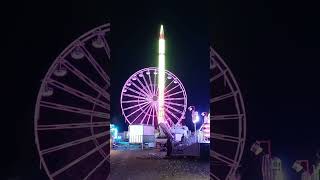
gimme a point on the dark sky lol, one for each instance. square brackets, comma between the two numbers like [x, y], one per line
[271, 47]
[273, 50]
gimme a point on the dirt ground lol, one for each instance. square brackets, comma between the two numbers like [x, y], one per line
[150, 164]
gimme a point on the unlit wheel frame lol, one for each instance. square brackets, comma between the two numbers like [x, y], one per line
[72, 112]
[228, 120]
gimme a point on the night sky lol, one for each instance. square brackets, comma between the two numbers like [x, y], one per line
[271, 47]
[273, 50]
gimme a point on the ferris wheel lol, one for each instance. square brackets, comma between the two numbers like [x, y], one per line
[72, 111]
[228, 120]
[139, 98]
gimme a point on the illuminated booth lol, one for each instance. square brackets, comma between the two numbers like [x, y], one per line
[141, 133]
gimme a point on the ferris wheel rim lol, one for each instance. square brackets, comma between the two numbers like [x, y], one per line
[148, 69]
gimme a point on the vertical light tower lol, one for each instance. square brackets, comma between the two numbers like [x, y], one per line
[161, 77]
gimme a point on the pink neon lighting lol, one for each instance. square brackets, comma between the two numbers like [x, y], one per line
[139, 101]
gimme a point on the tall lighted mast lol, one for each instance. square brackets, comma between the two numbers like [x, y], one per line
[161, 77]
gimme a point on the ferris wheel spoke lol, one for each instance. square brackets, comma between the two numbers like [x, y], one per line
[73, 143]
[139, 88]
[97, 166]
[79, 159]
[226, 137]
[222, 158]
[214, 176]
[222, 97]
[154, 115]
[147, 113]
[106, 46]
[174, 94]
[150, 81]
[173, 99]
[74, 109]
[167, 86]
[151, 114]
[145, 81]
[157, 92]
[218, 75]
[172, 89]
[137, 92]
[170, 107]
[96, 66]
[213, 62]
[169, 118]
[78, 93]
[71, 126]
[226, 117]
[154, 85]
[134, 96]
[142, 110]
[171, 103]
[133, 101]
[156, 112]
[87, 80]
[143, 86]
[137, 111]
[173, 115]
[130, 107]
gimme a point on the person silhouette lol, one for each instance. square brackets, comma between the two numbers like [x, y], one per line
[169, 147]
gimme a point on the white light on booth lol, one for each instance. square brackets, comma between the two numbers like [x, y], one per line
[135, 133]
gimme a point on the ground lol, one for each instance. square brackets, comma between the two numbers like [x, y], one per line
[150, 164]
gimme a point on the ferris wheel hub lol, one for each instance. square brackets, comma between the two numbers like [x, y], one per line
[155, 98]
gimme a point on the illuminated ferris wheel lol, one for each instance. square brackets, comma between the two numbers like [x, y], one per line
[72, 112]
[228, 120]
[139, 98]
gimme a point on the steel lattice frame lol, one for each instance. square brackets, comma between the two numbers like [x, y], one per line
[72, 112]
[228, 120]
[139, 98]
